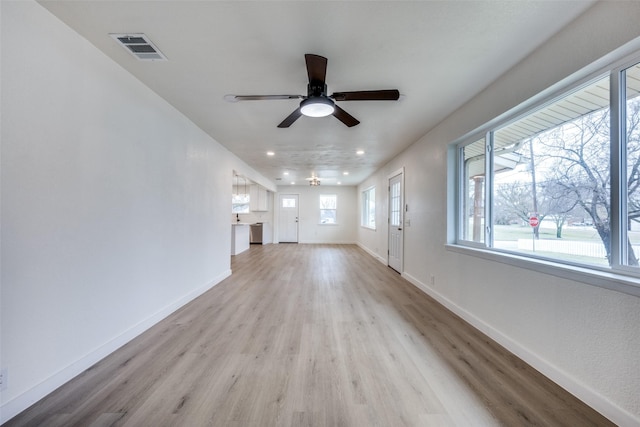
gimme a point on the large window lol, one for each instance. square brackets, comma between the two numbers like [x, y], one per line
[328, 208]
[369, 208]
[560, 181]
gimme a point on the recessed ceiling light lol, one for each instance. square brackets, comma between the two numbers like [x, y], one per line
[345, 173]
[293, 183]
[270, 153]
[339, 183]
[360, 152]
[286, 173]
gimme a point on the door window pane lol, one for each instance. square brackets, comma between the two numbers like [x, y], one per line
[395, 199]
[288, 203]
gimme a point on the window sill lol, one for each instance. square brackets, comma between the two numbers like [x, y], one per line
[602, 279]
[331, 223]
[368, 227]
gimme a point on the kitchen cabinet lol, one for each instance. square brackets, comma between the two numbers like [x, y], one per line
[258, 198]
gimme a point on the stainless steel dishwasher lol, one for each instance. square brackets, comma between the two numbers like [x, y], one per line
[256, 233]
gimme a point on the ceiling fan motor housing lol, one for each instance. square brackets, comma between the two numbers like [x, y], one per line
[316, 89]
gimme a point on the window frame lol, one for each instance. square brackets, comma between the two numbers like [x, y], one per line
[235, 204]
[616, 276]
[365, 208]
[460, 230]
[335, 196]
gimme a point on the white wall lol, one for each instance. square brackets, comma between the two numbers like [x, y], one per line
[115, 207]
[586, 338]
[310, 229]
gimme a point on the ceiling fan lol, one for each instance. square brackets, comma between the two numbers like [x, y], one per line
[316, 103]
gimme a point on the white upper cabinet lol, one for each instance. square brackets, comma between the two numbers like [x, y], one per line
[258, 198]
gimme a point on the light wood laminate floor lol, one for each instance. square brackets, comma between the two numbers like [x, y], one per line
[310, 335]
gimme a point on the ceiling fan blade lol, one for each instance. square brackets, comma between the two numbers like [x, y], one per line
[291, 118]
[236, 98]
[367, 95]
[316, 67]
[344, 117]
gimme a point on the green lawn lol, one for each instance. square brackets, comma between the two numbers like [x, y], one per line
[506, 237]
[511, 233]
[583, 234]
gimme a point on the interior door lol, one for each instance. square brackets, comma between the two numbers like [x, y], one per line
[288, 218]
[395, 222]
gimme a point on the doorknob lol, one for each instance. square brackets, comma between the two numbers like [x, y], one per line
[399, 228]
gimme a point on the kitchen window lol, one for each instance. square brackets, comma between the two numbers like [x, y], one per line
[240, 203]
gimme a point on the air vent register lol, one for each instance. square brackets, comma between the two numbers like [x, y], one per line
[139, 46]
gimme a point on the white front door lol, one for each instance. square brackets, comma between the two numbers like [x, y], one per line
[395, 222]
[288, 218]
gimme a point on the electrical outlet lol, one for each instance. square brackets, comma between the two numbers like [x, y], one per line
[4, 379]
[433, 280]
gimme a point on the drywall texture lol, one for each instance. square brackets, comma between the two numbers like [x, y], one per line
[584, 337]
[115, 207]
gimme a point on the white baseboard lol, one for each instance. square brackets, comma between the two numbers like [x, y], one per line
[18, 404]
[322, 242]
[598, 402]
[372, 253]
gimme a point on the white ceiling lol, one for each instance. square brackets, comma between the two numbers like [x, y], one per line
[438, 54]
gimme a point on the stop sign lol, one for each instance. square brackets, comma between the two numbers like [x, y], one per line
[533, 221]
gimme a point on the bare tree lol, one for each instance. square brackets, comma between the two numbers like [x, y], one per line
[633, 161]
[578, 153]
[512, 200]
[569, 172]
[557, 206]
[515, 200]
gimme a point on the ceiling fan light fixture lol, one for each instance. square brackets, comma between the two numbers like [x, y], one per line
[317, 107]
